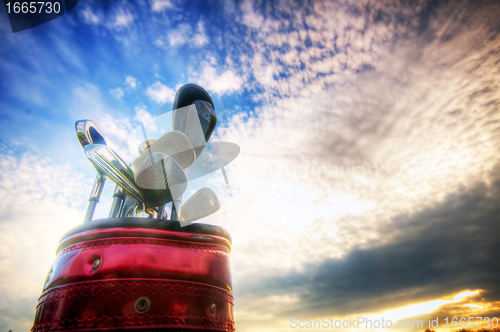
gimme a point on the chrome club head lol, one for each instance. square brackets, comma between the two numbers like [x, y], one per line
[88, 132]
[202, 204]
[160, 179]
[194, 115]
[174, 144]
[109, 163]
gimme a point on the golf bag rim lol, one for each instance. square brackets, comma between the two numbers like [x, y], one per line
[148, 223]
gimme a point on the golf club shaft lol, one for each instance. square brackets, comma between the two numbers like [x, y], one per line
[94, 197]
[176, 208]
[118, 198]
[161, 212]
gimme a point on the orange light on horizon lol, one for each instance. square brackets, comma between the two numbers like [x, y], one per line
[427, 307]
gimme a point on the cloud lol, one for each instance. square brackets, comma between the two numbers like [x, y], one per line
[116, 132]
[161, 5]
[159, 42]
[426, 260]
[123, 18]
[180, 35]
[160, 93]
[130, 82]
[355, 94]
[40, 201]
[251, 18]
[218, 81]
[183, 34]
[89, 16]
[200, 38]
[144, 117]
[117, 93]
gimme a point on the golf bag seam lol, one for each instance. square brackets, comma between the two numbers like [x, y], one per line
[124, 292]
[228, 321]
[50, 292]
[37, 327]
[78, 320]
[128, 242]
[172, 283]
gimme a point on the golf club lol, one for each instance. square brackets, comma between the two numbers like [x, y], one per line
[174, 144]
[203, 203]
[194, 115]
[88, 132]
[141, 148]
[160, 178]
[110, 164]
[118, 197]
[144, 145]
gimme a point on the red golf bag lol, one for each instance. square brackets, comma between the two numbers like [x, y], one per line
[139, 274]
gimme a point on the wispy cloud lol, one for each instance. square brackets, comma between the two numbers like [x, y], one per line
[161, 5]
[144, 117]
[200, 38]
[123, 18]
[160, 93]
[179, 36]
[117, 93]
[251, 17]
[40, 201]
[184, 34]
[217, 80]
[116, 131]
[89, 16]
[130, 82]
[345, 92]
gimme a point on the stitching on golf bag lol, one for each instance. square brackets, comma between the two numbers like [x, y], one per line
[99, 244]
[76, 294]
[224, 326]
[124, 292]
[156, 283]
[40, 327]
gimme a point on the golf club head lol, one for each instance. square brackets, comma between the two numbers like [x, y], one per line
[220, 155]
[174, 144]
[202, 204]
[144, 145]
[160, 179]
[110, 164]
[194, 115]
[89, 133]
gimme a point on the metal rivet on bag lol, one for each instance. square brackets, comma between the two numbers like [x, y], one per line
[96, 264]
[142, 304]
[212, 308]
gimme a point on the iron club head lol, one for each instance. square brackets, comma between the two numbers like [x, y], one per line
[109, 163]
[202, 204]
[174, 144]
[160, 179]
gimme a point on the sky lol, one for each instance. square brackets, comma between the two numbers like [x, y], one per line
[368, 181]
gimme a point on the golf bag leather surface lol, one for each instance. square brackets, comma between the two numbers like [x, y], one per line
[139, 274]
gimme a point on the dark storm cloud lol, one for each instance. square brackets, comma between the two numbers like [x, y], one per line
[441, 250]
